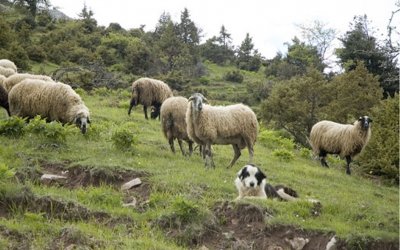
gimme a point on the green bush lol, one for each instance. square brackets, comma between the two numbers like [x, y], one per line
[272, 140]
[381, 155]
[5, 173]
[12, 127]
[125, 136]
[283, 154]
[186, 210]
[234, 76]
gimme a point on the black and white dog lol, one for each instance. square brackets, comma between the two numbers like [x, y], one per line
[251, 181]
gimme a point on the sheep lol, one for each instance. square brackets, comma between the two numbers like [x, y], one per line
[6, 71]
[346, 140]
[11, 81]
[5, 63]
[234, 124]
[149, 92]
[4, 95]
[54, 101]
[173, 123]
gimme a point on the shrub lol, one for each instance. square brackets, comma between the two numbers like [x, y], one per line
[234, 76]
[381, 155]
[271, 139]
[5, 173]
[12, 127]
[186, 210]
[283, 154]
[124, 137]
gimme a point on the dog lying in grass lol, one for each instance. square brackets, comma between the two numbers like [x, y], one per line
[252, 182]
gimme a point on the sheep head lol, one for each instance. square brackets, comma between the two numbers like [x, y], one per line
[82, 120]
[364, 122]
[197, 100]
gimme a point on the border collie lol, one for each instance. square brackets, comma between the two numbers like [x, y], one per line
[251, 181]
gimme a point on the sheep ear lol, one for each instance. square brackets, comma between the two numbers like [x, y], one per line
[205, 100]
[191, 98]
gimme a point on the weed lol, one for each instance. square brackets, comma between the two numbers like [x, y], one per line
[12, 127]
[125, 136]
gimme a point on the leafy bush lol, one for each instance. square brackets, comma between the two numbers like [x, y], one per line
[234, 76]
[124, 137]
[381, 155]
[5, 173]
[186, 210]
[272, 140]
[283, 154]
[53, 132]
[12, 127]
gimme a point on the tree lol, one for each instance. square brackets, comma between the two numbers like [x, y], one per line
[188, 31]
[224, 37]
[359, 45]
[89, 23]
[32, 5]
[297, 104]
[298, 59]
[247, 58]
[381, 155]
[354, 94]
[318, 36]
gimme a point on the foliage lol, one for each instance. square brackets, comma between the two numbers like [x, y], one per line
[5, 173]
[124, 137]
[234, 76]
[359, 45]
[12, 127]
[353, 94]
[248, 58]
[381, 155]
[296, 105]
[272, 139]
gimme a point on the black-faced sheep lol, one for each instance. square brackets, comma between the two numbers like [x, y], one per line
[346, 140]
[11, 81]
[173, 123]
[54, 101]
[4, 96]
[234, 124]
[149, 92]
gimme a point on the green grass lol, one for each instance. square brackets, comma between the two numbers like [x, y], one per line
[351, 205]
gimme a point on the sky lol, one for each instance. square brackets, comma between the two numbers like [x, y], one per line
[270, 23]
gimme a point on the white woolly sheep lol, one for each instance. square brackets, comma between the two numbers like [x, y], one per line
[11, 81]
[234, 124]
[8, 64]
[6, 71]
[54, 101]
[173, 123]
[346, 140]
[149, 92]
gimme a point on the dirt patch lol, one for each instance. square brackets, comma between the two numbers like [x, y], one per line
[243, 226]
[15, 239]
[85, 176]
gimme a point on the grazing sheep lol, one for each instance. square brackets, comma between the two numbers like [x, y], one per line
[54, 101]
[11, 81]
[4, 95]
[5, 63]
[6, 71]
[234, 124]
[346, 140]
[149, 92]
[173, 123]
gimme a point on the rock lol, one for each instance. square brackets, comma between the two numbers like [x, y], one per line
[131, 204]
[130, 184]
[52, 177]
[297, 243]
[331, 244]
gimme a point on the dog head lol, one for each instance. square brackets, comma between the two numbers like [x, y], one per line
[251, 176]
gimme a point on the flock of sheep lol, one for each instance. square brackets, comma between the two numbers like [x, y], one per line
[192, 120]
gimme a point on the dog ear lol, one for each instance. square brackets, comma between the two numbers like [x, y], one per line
[260, 176]
[243, 173]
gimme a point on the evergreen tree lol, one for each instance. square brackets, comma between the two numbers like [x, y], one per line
[246, 60]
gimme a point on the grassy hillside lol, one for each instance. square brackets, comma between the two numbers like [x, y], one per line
[180, 204]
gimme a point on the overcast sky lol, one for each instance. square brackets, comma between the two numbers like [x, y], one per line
[270, 23]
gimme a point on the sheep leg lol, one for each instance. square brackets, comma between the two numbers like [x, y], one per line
[145, 112]
[251, 151]
[209, 162]
[190, 147]
[348, 160]
[322, 156]
[171, 144]
[236, 155]
[181, 147]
